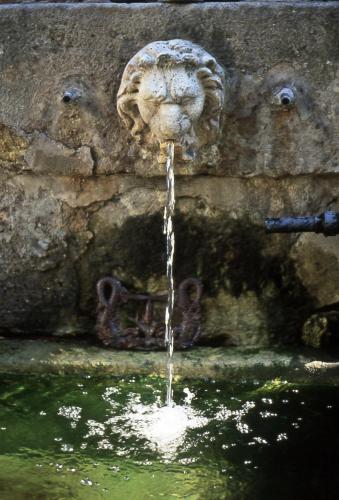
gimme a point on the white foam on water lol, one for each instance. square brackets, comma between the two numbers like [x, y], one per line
[165, 427]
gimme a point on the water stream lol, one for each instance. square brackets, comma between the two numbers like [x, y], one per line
[170, 241]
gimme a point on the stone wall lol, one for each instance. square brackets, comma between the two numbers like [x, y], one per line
[80, 199]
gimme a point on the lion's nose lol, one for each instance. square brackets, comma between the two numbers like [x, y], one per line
[172, 122]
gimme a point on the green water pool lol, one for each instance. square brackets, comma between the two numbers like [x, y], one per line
[91, 438]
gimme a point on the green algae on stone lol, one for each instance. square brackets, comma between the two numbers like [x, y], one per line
[321, 329]
[314, 331]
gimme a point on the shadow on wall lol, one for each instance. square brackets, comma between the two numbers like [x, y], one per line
[226, 254]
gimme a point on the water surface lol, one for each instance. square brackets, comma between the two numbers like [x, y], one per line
[85, 438]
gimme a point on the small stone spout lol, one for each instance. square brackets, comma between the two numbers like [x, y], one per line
[172, 91]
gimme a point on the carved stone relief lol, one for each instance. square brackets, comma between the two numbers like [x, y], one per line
[173, 91]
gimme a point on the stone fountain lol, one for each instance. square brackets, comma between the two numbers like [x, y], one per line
[82, 199]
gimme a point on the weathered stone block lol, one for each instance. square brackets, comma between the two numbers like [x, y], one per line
[51, 158]
[317, 263]
[80, 199]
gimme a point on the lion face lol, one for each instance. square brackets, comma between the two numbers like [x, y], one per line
[170, 102]
[172, 91]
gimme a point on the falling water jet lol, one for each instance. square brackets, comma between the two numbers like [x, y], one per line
[170, 243]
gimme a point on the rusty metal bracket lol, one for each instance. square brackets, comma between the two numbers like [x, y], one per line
[147, 332]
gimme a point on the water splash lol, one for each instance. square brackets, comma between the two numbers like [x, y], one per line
[164, 427]
[170, 242]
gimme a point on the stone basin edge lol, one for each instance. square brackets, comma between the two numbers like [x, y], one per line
[44, 357]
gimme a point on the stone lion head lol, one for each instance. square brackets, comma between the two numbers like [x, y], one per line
[172, 91]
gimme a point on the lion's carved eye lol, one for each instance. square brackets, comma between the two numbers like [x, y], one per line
[186, 100]
[136, 77]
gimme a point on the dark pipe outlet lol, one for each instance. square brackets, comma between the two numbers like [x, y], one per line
[285, 97]
[71, 95]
